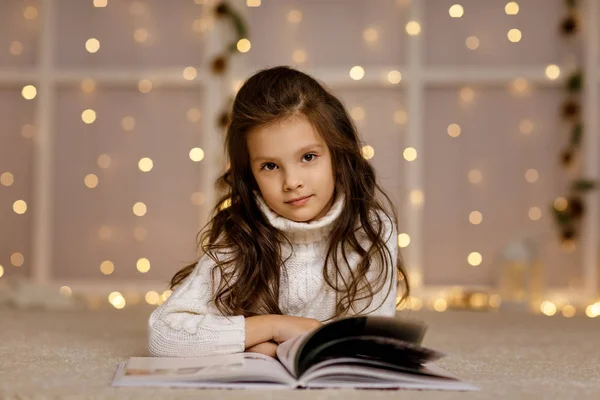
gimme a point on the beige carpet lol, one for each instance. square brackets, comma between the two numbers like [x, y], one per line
[73, 355]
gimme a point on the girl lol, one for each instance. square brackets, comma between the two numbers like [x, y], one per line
[298, 239]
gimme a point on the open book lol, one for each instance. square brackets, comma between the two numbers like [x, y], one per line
[358, 352]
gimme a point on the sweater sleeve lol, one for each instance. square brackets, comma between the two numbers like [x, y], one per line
[380, 305]
[187, 324]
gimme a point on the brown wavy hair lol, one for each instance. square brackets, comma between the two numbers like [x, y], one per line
[245, 247]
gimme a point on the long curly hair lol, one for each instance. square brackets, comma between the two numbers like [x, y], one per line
[251, 266]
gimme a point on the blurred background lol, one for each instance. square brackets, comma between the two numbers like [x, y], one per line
[480, 118]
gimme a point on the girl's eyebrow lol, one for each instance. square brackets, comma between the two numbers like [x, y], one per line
[302, 150]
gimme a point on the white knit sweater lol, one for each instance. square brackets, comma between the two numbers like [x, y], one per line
[189, 325]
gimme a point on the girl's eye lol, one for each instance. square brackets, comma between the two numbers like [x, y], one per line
[266, 166]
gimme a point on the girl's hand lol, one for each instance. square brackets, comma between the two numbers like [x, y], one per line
[266, 348]
[287, 327]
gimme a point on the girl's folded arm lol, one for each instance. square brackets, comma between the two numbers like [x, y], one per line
[185, 325]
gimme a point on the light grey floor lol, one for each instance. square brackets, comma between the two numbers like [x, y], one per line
[73, 355]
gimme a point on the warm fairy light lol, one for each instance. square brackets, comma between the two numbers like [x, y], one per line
[535, 213]
[548, 308]
[467, 94]
[29, 92]
[104, 161]
[531, 175]
[474, 259]
[475, 217]
[400, 117]
[593, 310]
[294, 16]
[20, 207]
[140, 209]
[92, 45]
[299, 56]
[1, 271]
[100, 3]
[194, 115]
[30, 13]
[244, 45]
[403, 240]
[16, 48]
[357, 72]
[91, 181]
[190, 73]
[140, 233]
[107, 267]
[197, 198]
[440, 305]
[416, 197]
[202, 25]
[552, 72]
[526, 126]
[253, 3]
[88, 116]
[456, 11]
[117, 300]
[495, 301]
[472, 42]
[520, 86]
[145, 164]
[367, 152]
[7, 179]
[413, 28]
[568, 245]
[478, 300]
[568, 311]
[511, 8]
[454, 130]
[28, 131]
[560, 204]
[145, 86]
[143, 265]
[65, 291]
[410, 154]
[137, 8]
[514, 35]
[370, 35]
[17, 259]
[88, 85]
[196, 154]
[166, 294]
[104, 233]
[128, 123]
[152, 297]
[394, 77]
[140, 35]
[357, 113]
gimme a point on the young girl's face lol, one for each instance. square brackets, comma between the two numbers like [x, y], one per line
[289, 160]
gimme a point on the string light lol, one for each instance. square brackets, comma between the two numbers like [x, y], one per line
[456, 11]
[511, 8]
[137, 8]
[400, 117]
[357, 72]
[28, 131]
[531, 175]
[100, 3]
[140, 35]
[197, 198]
[475, 176]
[7, 179]
[294, 16]
[29, 92]
[65, 291]
[17, 259]
[560, 204]
[394, 77]
[475, 217]
[357, 113]
[140, 209]
[104, 233]
[472, 42]
[143, 265]
[403, 240]
[194, 115]
[413, 28]
[244, 45]
[128, 123]
[299, 56]
[440, 305]
[520, 86]
[416, 197]
[454, 130]
[568, 311]
[196, 154]
[151, 297]
[20, 207]
[190, 73]
[253, 3]
[104, 161]
[145, 86]
[91, 181]
[16, 48]
[514, 35]
[467, 94]
[92, 45]
[368, 152]
[88, 116]
[1, 271]
[370, 35]
[526, 126]
[145, 164]
[474, 259]
[535, 213]
[88, 85]
[552, 72]
[30, 13]
[548, 308]
[202, 25]
[410, 154]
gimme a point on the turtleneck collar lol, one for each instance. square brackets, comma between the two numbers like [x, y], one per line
[303, 232]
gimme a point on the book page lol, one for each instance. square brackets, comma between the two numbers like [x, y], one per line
[230, 368]
[287, 351]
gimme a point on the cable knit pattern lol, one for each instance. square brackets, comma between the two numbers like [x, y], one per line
[188, 324]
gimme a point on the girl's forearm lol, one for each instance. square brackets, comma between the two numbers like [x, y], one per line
[259, 329]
